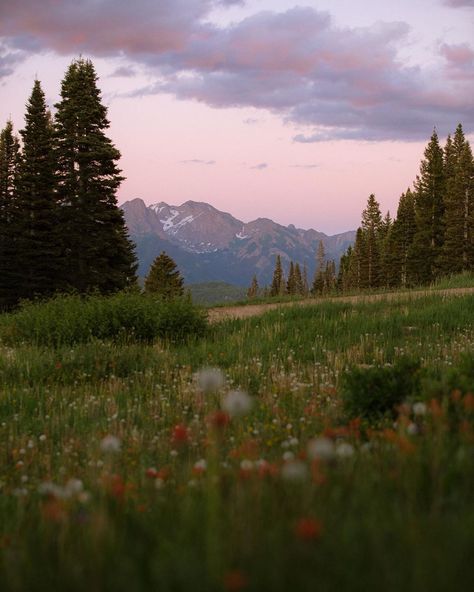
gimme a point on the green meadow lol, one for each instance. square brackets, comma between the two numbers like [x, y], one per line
[321, 447]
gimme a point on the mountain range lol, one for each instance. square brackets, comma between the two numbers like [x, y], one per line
[210, 245]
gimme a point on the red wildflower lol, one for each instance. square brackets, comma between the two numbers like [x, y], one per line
[235, 580]
[308, 529]
[180, 434]
[218, 419]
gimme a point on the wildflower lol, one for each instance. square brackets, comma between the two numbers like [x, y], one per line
[200, 466]
[237, 403]
[73, 487]
[159, 483]
[419, 408]
[180, 434]
[235, 580]
[294, 471]
[42, 438]
[219, 419]
[412, 429]
[308, 529]
[110, 444]
[210, 379]
[344, 450]
[321, 449]
[151, 473]
[246, 465]
[288, 455]
[50, 489]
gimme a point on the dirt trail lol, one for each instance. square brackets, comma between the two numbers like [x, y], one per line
[252, 310]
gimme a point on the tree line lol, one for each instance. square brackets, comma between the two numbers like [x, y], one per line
[432, 235]
[60, 226]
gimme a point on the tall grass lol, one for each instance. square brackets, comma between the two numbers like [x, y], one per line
[184, 497]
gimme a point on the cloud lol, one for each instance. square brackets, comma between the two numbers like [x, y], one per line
[197, 161]
[459, 3]
[260, 167]
[304, 166]
[340, 83]
[8, 60]
[459, 61]
[124, 72]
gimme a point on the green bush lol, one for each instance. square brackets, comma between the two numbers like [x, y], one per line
[124, 317]
[376, 391]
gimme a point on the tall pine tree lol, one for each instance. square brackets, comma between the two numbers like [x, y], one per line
[38, 242]
[458, 205]
[99, 253]
[9, 170]
[429, 209]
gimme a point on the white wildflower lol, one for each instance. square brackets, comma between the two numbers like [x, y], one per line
[344, 450]
[237, 403]
[110, 444]
[246, 465]
[200, 465]
[294, 470]
[412, 429]
[419, 408]
[210, 379]
[321, 449]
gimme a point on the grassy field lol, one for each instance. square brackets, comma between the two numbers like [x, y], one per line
[255, 457]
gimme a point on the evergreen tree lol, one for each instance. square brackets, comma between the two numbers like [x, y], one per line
[164, 278]
[359, 262]
[458, 205]
[278, 281]
[10, 159]
[299, 287]
[330, 276]
[305, 281]
[429, 236]
[400, 242]
[372, 227]
[291, 282]
[99, 253]
[344, 279]
[254, 289]
[38, 243]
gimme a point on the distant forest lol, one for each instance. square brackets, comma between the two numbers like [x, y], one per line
[431, 236]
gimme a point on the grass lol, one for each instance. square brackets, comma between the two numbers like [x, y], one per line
[185, 497]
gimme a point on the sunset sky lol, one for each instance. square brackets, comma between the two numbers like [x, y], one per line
[296, 112]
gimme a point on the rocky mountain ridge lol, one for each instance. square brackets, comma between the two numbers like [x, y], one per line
[210, 245]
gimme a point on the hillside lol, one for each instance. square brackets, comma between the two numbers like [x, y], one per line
[210, 245]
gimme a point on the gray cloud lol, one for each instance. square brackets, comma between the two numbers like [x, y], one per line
[9, 60]
[124, 72]
[342, 83]
[459, 3]
[260, 167]
[197, 161]
[304, 166]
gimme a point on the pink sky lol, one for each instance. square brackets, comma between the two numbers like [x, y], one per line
[259, 108]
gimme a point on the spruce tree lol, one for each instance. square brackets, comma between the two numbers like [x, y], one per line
[254, 289]
[164, 278]
[99, 253]
[38, 243]
[429, 236]
[372, 227]
[400, 243]
[458, 205]
[291, 282]
[278, 281]
[299, 287]
[10, 271]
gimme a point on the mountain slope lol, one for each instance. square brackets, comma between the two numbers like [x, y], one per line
[210, 245]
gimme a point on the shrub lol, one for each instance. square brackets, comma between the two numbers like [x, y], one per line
[376, 391]
[125, 317]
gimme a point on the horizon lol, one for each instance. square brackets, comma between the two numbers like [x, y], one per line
[260, 108]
